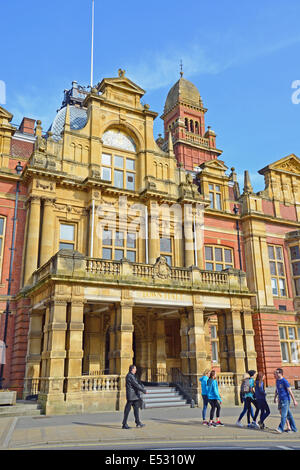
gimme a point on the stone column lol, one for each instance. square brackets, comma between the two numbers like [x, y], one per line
[34, 349]
[223, 347]
[94, 343]
[123, 354]
[74, 354]
[198, 359]
[48, 230]
[234, 334]
[112, 340]
[249, 340]
[184, 354]
[53, 357]
[32, 245]
[161, 364]
[124, 332]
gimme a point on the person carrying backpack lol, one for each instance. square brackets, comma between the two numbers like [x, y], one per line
[244, 385]
[214, 399]
[247, 396]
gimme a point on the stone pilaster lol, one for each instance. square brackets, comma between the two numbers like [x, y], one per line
[161, 364]
[184, 354]
[48, 230]
[74, 353]
[197, 346]
[234, 334]
[249, 340]
[32, 246]
[34, 348]
[53, 356]
[124, 332]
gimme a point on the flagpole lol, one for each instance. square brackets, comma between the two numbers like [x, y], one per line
[92, 48]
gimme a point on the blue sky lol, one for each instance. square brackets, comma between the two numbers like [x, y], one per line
[242, 56]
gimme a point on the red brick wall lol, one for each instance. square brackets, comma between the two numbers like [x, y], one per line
[7, 207]
[288, 212]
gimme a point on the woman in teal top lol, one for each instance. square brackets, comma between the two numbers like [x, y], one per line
[214, 399]
[203, 380]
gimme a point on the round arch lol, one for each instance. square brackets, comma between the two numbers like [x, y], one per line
[128, 129]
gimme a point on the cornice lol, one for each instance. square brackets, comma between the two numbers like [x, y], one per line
[270, 218]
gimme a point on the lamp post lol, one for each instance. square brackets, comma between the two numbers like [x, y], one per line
[19, 170]
[236, 210]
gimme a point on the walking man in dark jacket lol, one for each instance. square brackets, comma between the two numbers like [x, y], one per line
[133, 389]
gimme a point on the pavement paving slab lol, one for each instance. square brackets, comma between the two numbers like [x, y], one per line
[165, 426]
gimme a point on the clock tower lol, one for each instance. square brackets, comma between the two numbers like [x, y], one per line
[184, 118]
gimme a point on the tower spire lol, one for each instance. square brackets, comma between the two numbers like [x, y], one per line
[181, 72]
[247, 183]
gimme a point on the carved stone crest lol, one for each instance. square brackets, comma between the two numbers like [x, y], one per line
[161, 269]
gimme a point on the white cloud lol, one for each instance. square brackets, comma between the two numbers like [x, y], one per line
[159, 69]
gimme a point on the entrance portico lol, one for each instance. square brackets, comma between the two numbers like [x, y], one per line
[87, 328]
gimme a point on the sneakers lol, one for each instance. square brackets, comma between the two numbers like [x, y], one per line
[249, 425]
[278, 431]
[254, 424]
[238, 423]
[205, 422]
[211, 424]
[140, 425]
[125, 426]
[218, 423]
[261, 425]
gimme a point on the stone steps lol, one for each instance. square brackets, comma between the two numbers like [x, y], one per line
[21, 408]
[163, 397]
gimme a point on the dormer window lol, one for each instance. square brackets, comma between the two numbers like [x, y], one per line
[215, 196]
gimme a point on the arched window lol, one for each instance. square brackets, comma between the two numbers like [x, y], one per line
[196, 127]
[191, 126]
[186, 121]
[218, 258]
[118, 167]
[118, 139]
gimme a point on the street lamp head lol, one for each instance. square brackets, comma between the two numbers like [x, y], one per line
[19, 168]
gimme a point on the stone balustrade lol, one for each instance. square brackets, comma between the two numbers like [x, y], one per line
[197, 139]
[72, 264]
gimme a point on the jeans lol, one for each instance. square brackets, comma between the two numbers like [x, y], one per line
[215, 405]
[135, 405]
[248, 401]
[286, 414]
[205, 403]
[245, 411]
[263, 408]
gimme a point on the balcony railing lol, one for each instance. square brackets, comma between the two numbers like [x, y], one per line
[73, 264]
[88, 383]
[196, 139]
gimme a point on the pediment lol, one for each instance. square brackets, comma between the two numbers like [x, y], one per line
[121, 82]
[290, 164]
[5, 114]
[214, 165]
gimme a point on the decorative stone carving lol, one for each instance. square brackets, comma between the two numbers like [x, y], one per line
[161, 269]
[45, 186]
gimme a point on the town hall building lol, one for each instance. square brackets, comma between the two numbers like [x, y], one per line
[128, 249]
